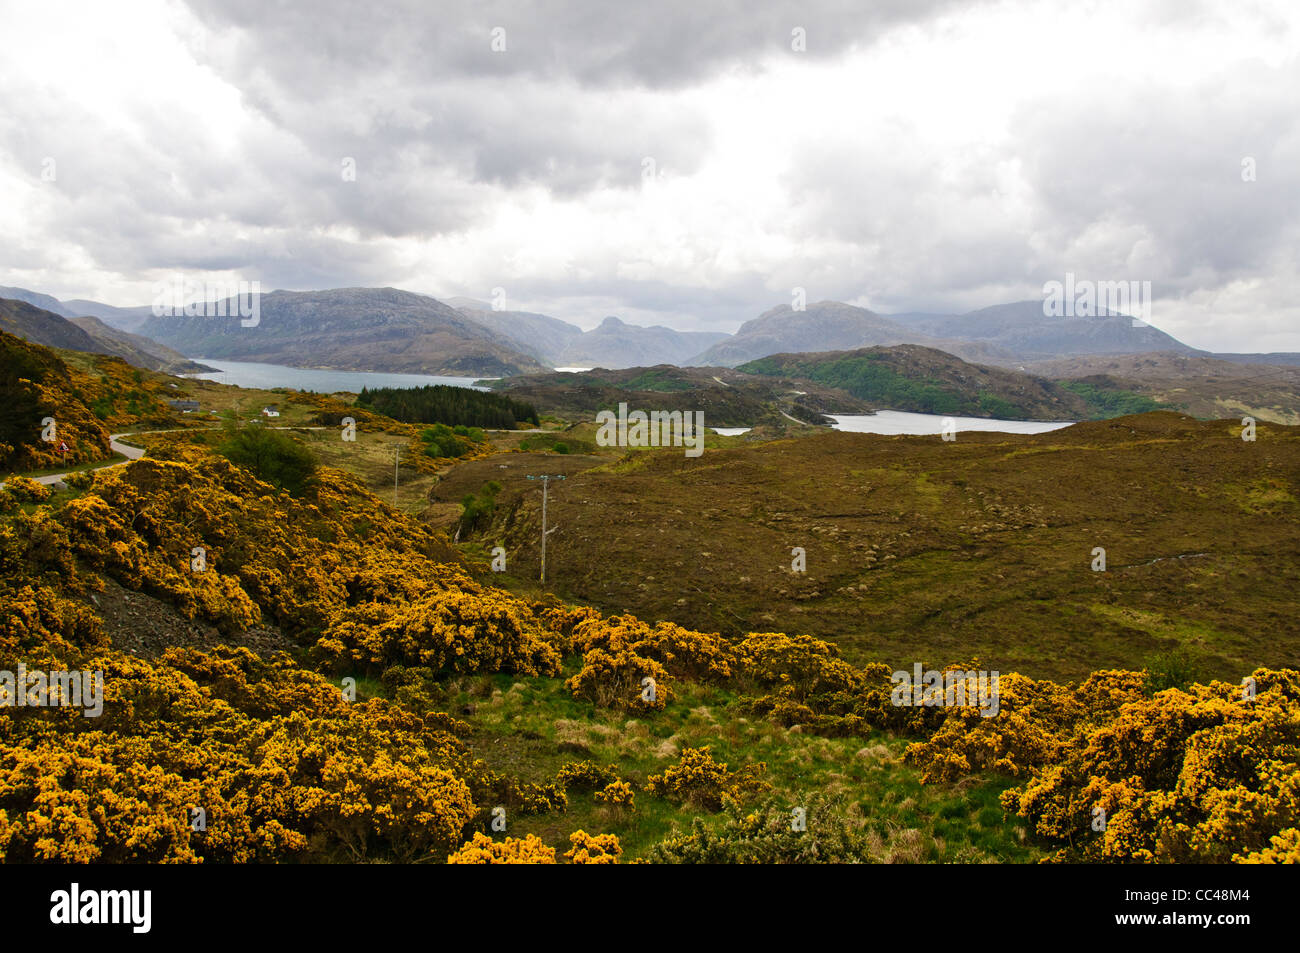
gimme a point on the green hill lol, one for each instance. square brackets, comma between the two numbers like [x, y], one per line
[923, 380]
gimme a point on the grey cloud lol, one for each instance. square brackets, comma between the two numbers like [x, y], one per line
[544, 111]
[1169, 162]
[1117, 184]
[324, 45]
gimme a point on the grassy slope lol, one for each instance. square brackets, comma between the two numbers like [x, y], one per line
[531, 727]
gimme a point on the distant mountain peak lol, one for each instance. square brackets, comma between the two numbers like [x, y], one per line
[43, 301]
[468, 304]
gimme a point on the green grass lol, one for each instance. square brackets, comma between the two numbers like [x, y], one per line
[531, 727]
[1112, 402]
[660, 381]
[871, 378]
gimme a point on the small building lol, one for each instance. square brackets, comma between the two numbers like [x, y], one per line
[184, 406]
[271, 410]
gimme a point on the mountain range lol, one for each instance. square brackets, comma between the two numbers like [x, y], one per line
[614, 344]
[1004, 334]
[387, 329]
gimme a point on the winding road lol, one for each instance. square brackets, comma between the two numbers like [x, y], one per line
[131, 453]
[135, 453]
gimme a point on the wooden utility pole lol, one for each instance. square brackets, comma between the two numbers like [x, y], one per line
[546, 479]
[397, 453]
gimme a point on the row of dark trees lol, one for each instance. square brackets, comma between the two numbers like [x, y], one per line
[444, 404]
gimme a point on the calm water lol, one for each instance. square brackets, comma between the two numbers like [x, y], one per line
[266, 376]
[899, 422]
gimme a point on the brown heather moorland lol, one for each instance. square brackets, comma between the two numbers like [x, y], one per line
[920, 549]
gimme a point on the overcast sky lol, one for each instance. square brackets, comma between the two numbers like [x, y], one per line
[916, 156]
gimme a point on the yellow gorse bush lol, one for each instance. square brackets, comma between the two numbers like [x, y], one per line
[1207, 774]
[620, 652]
[280, 763]
[364, 584]
[26, 490]
[512, 850]
[799, 664]
[616, 794]
[38, 385]
[618, 679]
[1283, 848]
[586, 775]
[586, 849]
[700, 780]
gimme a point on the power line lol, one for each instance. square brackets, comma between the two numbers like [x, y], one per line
[397, 453]
[546, 479]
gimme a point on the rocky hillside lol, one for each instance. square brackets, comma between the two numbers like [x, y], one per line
[1022, 328]
[138, 350]
[359, 329]
[40, 326]
[1206, 387]
[538, 335]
